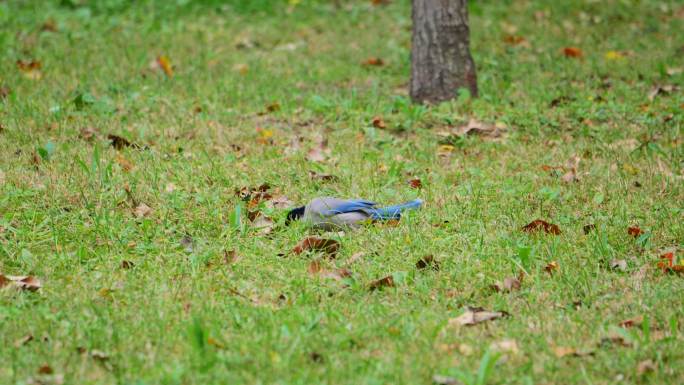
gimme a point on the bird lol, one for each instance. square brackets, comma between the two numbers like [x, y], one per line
[329, 213]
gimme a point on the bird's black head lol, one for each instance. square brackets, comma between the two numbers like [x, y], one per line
[294, 214]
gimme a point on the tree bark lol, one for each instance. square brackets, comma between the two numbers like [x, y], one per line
[440, 54]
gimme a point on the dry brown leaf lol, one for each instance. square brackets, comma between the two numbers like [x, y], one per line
[280, 202]
[125, 164]
[589, 228]
[231, 257]
[88, 133]
[125, 264]
[514, 40]
[664, 89]
[319, 152]
[45, 369]
[428, 261]
[120, 143]
[505, 346]
[4, 93]
[316, 268]
[618, 264]
[551, 267]
[632, 322]
[355, 257]
[329, 246]
[509, 284]
[20, 282]
[23, 341]
[30, 69]
[142, 210]
[387, 281]
[261, 222]
[378, 122]
[323, 177]
[572, 52]
[645, 367]
[415, 183]
[572, 168]
[373, 62]
[474, 316]
[634, 231]
[475, 127]
[539, 224]
[564, 351]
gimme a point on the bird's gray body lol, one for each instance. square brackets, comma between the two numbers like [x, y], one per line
[314, 214]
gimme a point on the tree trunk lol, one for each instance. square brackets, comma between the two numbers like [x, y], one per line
[440, 52]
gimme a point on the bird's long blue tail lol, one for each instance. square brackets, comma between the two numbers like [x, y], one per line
[394, 212]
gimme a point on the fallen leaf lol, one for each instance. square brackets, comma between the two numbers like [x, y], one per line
[415, 183]
[316, 268]
[279, 202]
[264, 136]
[444, 150]
[23, 340]
[387, 281]
[242, 68]
[428, 261]
[505, 346]
[4, 93]
[165, 65]
[589, 228]
[481, 129]
[355, 257]
[142, 210]
[254, 195]
[539, 224]
[319, 152]
[99, 355]
[45, 369]
[635, 231]
[672, 71]
[551, 267]
[378, 122]
[564, 351]
[323, 177]
[125, 164]
[664, 89]
[231, 257]
[573, 52]
[438, 379]
[646, 366]
[669, 266]
[273, 107]
[120, 143]
[373, 62]
[514, 39]
[474, 316]
[509, 284]
[618, 264]
[615, 339]
[261, 222]
[572, 167]
[614, 55]
[22, 282]
[88, 133]
[330, 247]
[30, 69]
[632, 322]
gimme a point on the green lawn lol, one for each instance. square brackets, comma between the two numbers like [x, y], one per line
[160, 298]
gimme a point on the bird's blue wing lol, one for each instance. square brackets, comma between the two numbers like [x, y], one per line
[349, 206]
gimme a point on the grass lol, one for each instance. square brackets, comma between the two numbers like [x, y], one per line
[181, 315]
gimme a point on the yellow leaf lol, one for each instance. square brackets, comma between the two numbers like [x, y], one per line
[614, 55]
[165, 65]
